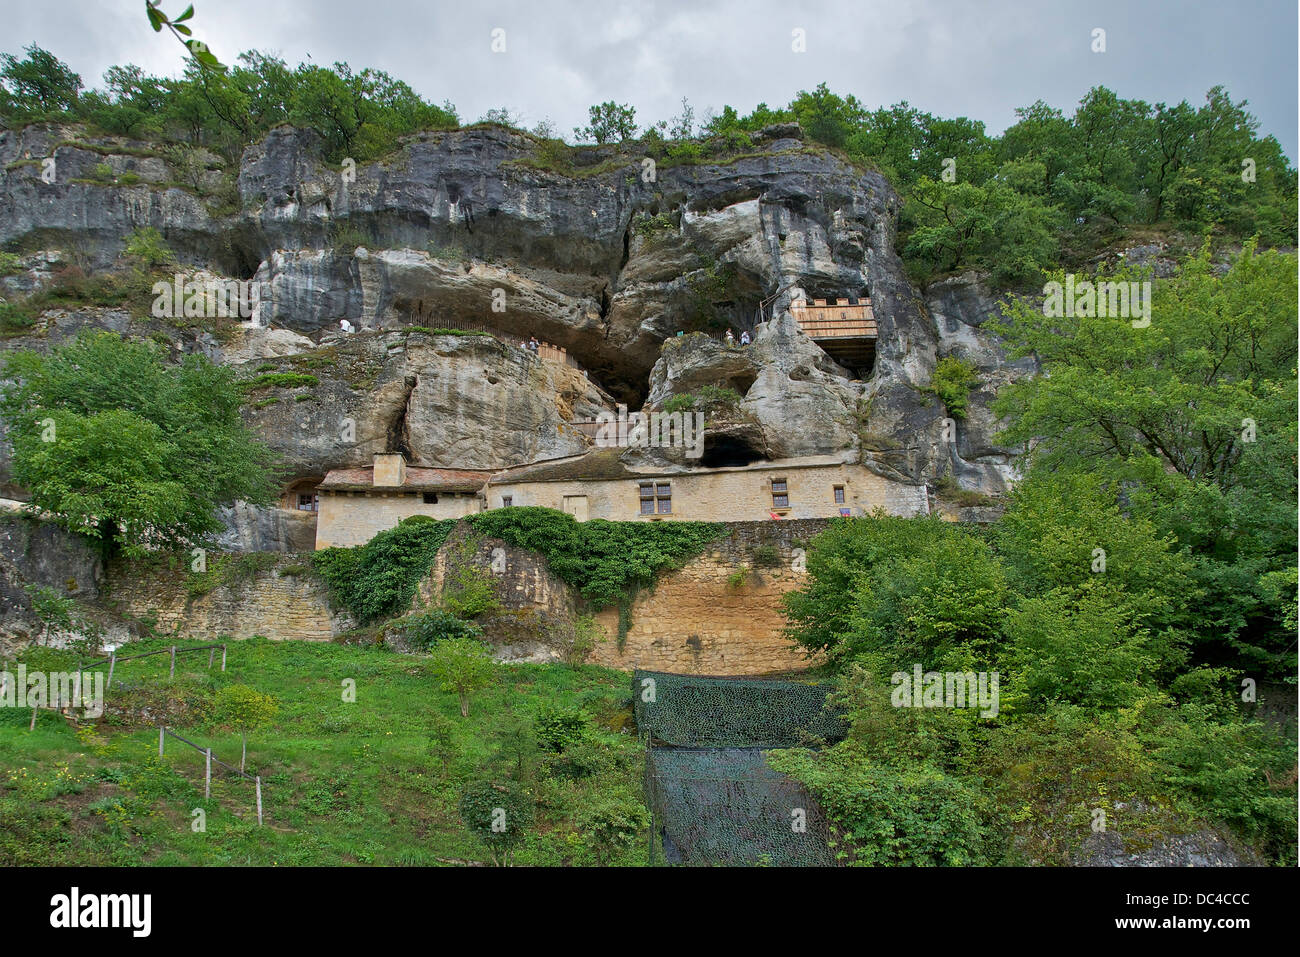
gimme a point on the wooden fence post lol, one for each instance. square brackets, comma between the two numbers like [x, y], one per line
[32, 726]
[258, 781]
[223, 657]
[173, 672]
[112, 663]
[162, 730]
[212, 655]
[207, 774]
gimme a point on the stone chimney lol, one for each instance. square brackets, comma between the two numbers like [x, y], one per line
[390, 470]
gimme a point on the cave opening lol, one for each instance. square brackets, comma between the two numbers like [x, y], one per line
[723, 451]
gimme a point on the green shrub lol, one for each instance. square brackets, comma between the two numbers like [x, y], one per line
[1239, 773]
[426, 629]
[378, 578]
[767, 556]
[882, 815]
[499, 815]
[680, 403]
[952, 382]
[559, 728]
[15, 318]
[613, 824]
[147, 246]
[462, 666]
[281, 380]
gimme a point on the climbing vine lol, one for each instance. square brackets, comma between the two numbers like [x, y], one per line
[378, 578]
[606, 561]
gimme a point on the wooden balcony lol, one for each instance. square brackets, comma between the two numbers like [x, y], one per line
[844, 329]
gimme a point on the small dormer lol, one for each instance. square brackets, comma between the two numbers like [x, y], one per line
[390, 470]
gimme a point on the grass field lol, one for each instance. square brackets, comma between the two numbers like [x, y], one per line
[377, 781]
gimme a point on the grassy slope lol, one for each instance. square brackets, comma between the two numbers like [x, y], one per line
[342, 783]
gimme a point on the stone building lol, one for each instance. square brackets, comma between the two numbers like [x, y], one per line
[599, 485]
[355, 504]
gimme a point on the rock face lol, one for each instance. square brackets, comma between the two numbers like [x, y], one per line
[250, 528]
[447, 401]
[961, 309]
[476, 229]
[34, 553]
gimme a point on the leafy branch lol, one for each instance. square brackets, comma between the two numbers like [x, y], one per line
[197, 48]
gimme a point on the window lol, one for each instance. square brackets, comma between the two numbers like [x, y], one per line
[780, 494]
[656, 497]
[839, 494]
[507, 501]
[308, 502]
[430, 498]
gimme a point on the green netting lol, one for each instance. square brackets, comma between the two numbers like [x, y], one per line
[691, 711]
[726, 806]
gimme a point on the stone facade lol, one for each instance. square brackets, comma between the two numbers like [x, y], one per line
[699, 621]
[356, 504]
[744, 493]
[354, 518]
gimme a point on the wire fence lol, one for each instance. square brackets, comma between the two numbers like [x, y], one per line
[208, 760]
[174, 650]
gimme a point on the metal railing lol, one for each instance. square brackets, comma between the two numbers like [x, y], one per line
[164, 731]
[113, 659]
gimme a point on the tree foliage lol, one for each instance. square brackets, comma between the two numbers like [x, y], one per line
[114, 443]
[462, 666]
[1192, 421]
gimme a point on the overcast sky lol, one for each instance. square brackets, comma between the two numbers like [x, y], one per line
[952, 58]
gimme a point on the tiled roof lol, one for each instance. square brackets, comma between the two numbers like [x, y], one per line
[417, 480]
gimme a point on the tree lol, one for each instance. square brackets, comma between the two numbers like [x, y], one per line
[246, 710]
[115, 444]
[53, 609]
[39, 86]
[1192, 421]
[462, 666]
[825, 116]
[608, 121]
[902, 590]
[994, 226]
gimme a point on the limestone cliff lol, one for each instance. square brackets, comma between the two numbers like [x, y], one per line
[474, 229]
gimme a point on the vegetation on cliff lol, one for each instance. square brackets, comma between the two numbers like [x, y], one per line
[606, 561]
[123, 447]
[1138, 592]
[1052, 188]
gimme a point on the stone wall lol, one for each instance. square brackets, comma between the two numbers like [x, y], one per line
[281, 601]
[696, 621]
